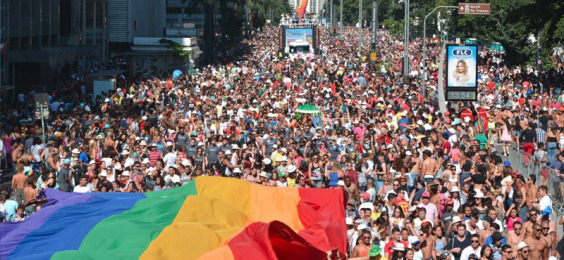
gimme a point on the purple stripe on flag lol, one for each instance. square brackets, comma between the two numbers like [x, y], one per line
[12, 234]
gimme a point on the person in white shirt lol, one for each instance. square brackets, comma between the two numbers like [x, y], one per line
[474, 248]
[82, 187]
[170, 158]
[545, 203]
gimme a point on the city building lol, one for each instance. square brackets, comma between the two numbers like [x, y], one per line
[43, 38]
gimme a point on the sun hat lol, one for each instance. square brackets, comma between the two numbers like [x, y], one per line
[375, 251]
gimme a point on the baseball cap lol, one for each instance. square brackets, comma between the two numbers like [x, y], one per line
[366, 196]
[413, 240]
[426, 195]
[473, 256]
[450, 202]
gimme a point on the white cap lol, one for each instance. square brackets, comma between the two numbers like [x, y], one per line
[349, 221]
[341, 183]
[291, 168]
[125, 173]
[263, 174]
[237, 170]
[274, 146]
[408, 153]
[92, 162]
[103, 174]
[284, 150]
[266, 161]
[169, 143]
[454, 189]
[521, 245]
[228, 152]
[146, 161]
[399, 247]
[235, 147]
[456, 219]
[200, 144]
[75, 151]
[185, 162]
[125, 152]
[479, 195]
[413, 239]
[143, 143]
[362, 227]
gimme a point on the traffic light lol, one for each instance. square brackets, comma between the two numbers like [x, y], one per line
[373, 47]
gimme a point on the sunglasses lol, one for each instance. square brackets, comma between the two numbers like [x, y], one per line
[475, 241]
[545, 228]
[539, 230]
[366, 237]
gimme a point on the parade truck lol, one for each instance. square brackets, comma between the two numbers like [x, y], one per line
[299, 47]
[297, 39]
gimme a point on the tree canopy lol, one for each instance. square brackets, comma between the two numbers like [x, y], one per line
[511, 23]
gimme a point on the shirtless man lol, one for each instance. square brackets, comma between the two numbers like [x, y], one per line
[18, 183]
[428, 242]
[531, 220]
[532, 191]
[538, 246]
[515, 236]
[429, 166]
[548, 236]
[351, 189]
[16, 153]
[362, 249]
[414, 172]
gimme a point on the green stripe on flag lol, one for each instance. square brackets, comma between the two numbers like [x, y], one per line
[127, 235]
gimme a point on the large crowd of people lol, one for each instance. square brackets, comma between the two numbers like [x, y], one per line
[420, 183]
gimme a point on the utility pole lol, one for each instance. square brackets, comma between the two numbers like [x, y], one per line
[360, 27]
[341, 21]
[406, 44]
[374, 21]
[331, 15]
[440, 87]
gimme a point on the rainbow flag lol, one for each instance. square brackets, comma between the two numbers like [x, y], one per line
[481, 127]
[30, 173]
[209, 218]
[300, 10]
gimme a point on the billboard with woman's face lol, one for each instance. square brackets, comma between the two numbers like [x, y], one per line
[462, 66]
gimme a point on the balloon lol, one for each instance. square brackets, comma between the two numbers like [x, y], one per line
[176, 74]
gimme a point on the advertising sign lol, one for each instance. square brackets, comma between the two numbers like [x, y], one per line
[295, 34]
[462, 66]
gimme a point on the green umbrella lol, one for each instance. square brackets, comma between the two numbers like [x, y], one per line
[308, 109]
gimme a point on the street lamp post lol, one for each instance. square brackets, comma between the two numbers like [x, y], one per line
[341, 20]
[406, 44]
[424, 42]
[360, 27]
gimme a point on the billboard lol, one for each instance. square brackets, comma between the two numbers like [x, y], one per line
[462, 66]
[295, 34]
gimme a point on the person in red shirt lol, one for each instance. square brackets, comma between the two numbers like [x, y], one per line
[396, 239]
[350, 172]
